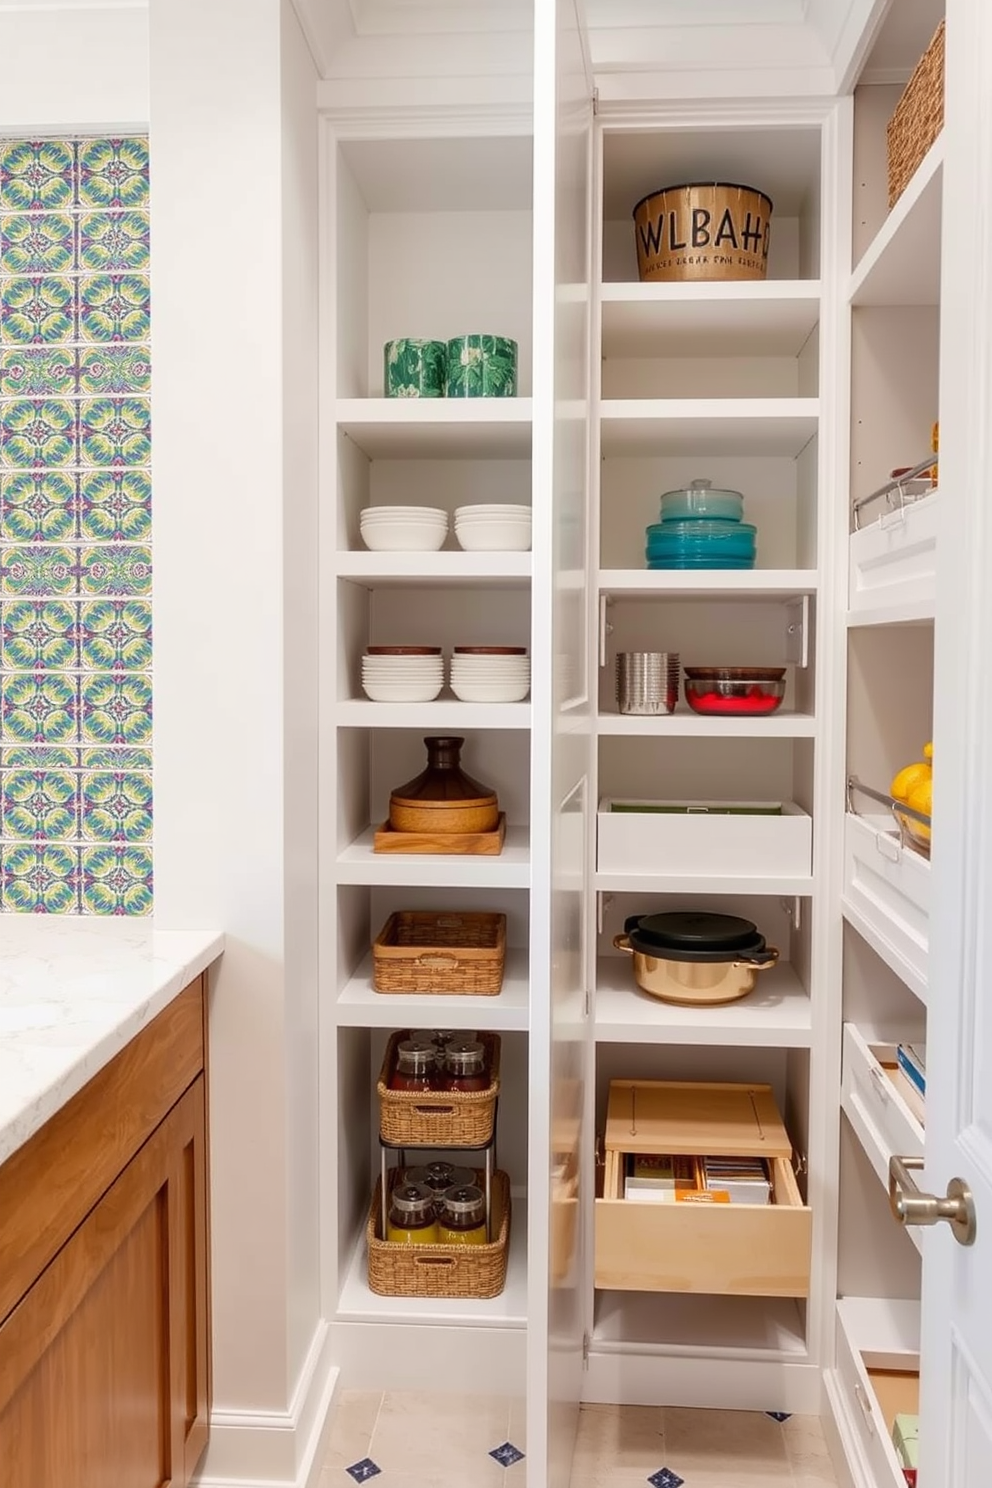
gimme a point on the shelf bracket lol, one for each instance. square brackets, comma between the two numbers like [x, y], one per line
[797, 631]
[603, 902]
[605, 628]
[793, 908]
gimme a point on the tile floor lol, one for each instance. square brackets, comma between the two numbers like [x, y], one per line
[421, 1440]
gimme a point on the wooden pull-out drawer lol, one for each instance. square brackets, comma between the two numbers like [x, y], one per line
[749, 1250]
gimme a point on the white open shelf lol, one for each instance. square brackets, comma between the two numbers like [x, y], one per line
[879, 1116]
[359, 1006]
[446, 715]
[873, 928]
[881, 1325]
[902, 265]
[893, 566]
[877, 1358]
[772, 318]
[776, 1014]
[358, 864]
[886, 897]
[509, 1310]
[751, 583]
[687, 725]
[703, 883]
[657, 1323]
[716, 426]
[439, 570]
[437, 428]
[913, 612]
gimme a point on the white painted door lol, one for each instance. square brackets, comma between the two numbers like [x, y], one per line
[956, 1343]
[561, 811]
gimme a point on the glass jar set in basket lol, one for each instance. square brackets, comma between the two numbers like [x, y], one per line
[439, 1229]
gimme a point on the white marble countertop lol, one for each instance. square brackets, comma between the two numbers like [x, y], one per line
[73, 992]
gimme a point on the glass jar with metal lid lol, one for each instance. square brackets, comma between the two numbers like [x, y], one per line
[464, 1066]
[439, 1176]
[412, 1217]
[461, 1216]
[701, 500]
[416, 1066]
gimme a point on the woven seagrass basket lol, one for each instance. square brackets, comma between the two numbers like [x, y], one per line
[449, 1118]
[918, 118]
[429, 952]
[441, 1270]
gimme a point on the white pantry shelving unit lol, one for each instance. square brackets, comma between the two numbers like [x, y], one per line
[452, 197]
[894, 298]
[803, 392]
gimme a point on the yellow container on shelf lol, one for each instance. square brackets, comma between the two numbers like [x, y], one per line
[461, 1216]
[412, 1220]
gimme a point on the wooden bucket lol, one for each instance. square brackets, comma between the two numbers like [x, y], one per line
[713, 231]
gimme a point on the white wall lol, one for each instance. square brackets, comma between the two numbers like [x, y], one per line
[235, 507]
[300, 569]
[73, 67]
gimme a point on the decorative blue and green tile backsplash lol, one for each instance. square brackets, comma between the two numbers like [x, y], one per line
[75, 528]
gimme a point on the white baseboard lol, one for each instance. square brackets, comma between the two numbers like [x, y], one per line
[276, 1449]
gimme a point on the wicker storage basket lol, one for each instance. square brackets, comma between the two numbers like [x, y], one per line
[441, 1270]
[451, 1118]
[429, 952]
[918, 119]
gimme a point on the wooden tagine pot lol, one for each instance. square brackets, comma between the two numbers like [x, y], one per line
[443, 798]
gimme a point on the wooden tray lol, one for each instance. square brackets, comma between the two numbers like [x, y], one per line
[489, 844]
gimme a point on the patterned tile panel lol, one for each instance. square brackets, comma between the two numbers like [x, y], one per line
[75, 528]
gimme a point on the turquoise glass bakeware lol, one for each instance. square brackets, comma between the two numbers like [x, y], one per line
[701, 543]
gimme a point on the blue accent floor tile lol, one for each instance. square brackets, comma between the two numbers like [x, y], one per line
[779, 1415]
[363, 1471]
[665, 1478]
[507, 1454]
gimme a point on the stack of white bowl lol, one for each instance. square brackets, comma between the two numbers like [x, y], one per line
[493, 529]
[490, 674]
[404, 529]
[402, 674]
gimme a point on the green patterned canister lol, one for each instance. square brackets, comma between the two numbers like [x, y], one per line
[482, 367]
[414, 369]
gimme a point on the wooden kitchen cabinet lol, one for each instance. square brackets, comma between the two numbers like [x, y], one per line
[104, 1359]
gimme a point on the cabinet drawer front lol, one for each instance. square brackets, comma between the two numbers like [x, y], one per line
[103, 1371]
[884, 1122]
[894, 561]
[48, 1186]
[635, 842]
[865, 1414]
[739, 1250]
[890, 886]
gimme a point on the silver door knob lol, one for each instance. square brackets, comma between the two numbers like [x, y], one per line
[911, 1207]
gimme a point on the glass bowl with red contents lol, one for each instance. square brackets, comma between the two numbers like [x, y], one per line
[727, 692]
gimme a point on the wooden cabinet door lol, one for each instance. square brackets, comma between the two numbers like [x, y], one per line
[103, 1363]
